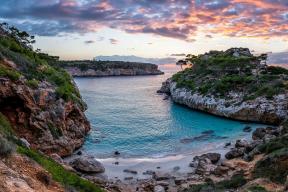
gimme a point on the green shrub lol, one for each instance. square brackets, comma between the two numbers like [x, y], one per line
[59, 174]
[236, 181]
[33, 83]
[274, 144]
[5, 127]
[256, 188]
[274, 166]
[55, 132]
[10, 73]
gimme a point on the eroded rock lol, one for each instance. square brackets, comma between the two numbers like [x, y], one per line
[87, 165]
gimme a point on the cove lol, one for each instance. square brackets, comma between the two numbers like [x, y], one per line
[127, 115]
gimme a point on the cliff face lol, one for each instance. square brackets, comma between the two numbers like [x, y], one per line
[108, 68]
[233, 84]
[41, 102]
[271, 111]
[48, 122]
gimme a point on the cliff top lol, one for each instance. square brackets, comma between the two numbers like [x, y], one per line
[18, 60]
[102, 65]
[236, 69]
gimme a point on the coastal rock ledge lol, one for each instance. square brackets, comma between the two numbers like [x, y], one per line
[108, 68]
[261, 109]
[233, 84]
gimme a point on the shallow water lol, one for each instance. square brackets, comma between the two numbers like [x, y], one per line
[128, 115]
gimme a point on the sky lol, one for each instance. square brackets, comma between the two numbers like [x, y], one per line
[83, 29]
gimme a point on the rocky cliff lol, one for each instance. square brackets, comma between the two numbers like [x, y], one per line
[40, 101]
[108, 68]
[247, 91]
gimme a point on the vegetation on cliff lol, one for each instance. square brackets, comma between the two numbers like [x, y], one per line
[26, 76]
[104, 65]
[16, 46]
[237, 70]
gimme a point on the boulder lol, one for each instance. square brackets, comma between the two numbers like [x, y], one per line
[25, 143]
[87, 165]
[241, 143]
[221, 170]
[159, 188]
[204, 164]
[259, 133]
[56, 158]
[204, 167]
[234, 153]
[213, 157]
[159, 176]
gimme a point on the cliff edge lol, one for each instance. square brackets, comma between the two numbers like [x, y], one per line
[40, 101]
[108, 68]
[233, 84]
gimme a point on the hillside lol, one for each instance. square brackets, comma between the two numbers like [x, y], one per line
[86, 68]
[41, 119]
[234, 84]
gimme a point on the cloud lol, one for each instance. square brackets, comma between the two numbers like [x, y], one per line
[169, 18]
[89, 42]
[113, 41]
[100, 38]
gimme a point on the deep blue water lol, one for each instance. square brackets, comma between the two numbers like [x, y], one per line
[127, 115]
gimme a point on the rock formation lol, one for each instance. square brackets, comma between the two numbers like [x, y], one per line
[108, 68]
[231, 91]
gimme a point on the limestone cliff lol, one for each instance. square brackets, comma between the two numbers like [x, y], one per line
[41, 101]
[233, 85]
[108, 68]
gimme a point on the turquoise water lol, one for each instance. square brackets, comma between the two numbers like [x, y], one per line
[127, 115]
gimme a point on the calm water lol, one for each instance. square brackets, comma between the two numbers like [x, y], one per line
[127, 115]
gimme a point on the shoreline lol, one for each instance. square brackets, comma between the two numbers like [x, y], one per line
[115, 165]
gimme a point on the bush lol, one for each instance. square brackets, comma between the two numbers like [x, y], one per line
[55, 132]
[256, 189]
[236, 181]
[59, 174]
[6, 147]
[5, 127]
[274, 166]
[10, 73]
[33, 83]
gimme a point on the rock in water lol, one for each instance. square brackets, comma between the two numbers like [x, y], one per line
[247, 129]
[130, 171]
[87, 165]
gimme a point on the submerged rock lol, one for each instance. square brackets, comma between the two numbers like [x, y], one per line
[130, 171]
[247, 129]
[87, 165]
[208, 132]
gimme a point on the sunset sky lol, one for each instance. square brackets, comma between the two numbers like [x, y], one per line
[83, 29]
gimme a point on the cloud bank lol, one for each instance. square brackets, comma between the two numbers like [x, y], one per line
[169, 18]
